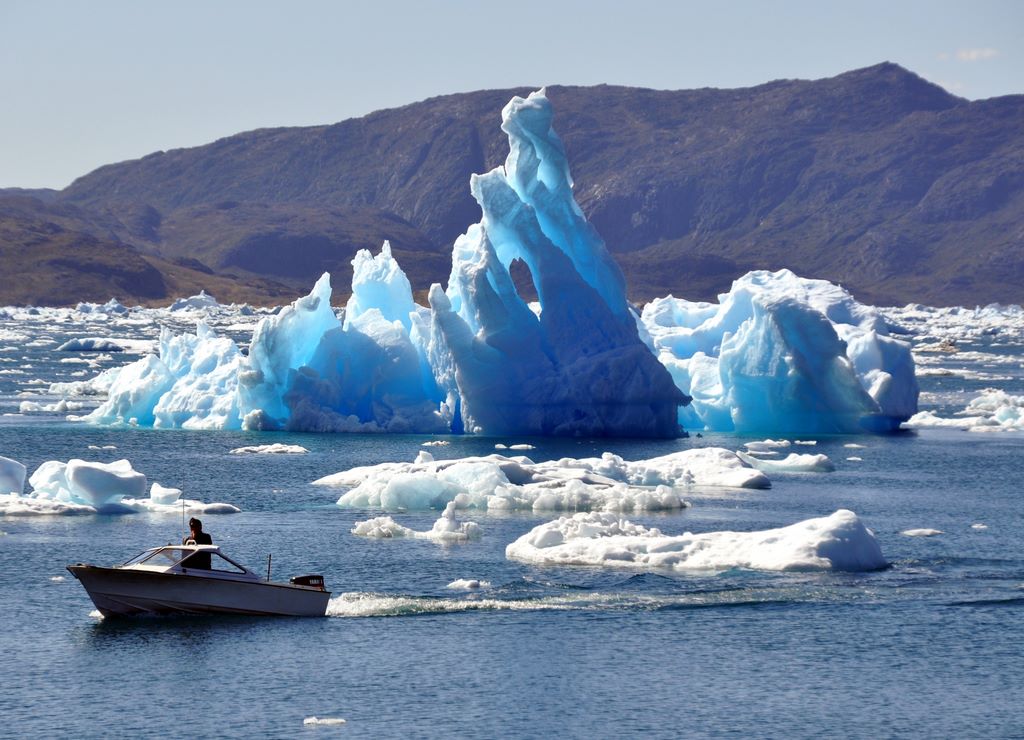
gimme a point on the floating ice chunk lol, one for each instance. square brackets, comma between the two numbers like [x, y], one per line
[979, 525]
[468, 584]
[79, 487]
[90, 483]
[12, 476]
[163, 495]
[767, 445]
[854, 446]
[921, 532]
[323, 721]
[836, 542]
[445, 529]
[806, 442]
[423, 457]
[204, 301]
[855, 459]
[273, 449]
[436, 443]
[792, 463]
[522, 447]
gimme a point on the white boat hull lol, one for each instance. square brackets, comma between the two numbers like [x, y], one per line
[124, 592]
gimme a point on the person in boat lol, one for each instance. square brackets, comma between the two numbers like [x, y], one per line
[196, 536]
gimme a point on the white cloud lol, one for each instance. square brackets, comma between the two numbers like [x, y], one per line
[975, 55]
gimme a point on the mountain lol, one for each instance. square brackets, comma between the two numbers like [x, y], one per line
[875, 179]
[58, 254]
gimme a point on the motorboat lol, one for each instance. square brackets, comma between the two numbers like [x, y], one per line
[196, 579]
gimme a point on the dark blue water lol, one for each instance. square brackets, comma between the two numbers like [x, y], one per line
[931, 646]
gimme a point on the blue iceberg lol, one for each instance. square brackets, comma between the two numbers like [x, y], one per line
[784, 354]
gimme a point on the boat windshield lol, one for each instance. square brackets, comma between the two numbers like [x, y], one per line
[163, 557]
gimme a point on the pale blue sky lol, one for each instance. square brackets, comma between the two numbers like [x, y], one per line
[88, 83]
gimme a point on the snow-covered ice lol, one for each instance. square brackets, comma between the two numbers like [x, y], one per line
[836, 542]
[922, 532]
[496, 482]
[273, 449]
[445, 529]
[82, 487]
[792, 463]
[993, 410]
[323, 721]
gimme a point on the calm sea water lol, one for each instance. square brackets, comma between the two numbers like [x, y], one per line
[929, 647]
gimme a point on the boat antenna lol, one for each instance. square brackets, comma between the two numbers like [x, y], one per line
[182, 519]
[271, 555]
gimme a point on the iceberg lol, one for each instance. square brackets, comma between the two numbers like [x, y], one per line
[780, 353]
[836, 542]
[578, 366]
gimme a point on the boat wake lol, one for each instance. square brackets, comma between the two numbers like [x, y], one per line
[363, 604]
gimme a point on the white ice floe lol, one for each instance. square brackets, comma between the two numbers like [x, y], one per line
[979, 525]
[495, 482]
[80, 487]
[921, 532]
[992, 411]
[855, 459]
[275, 449]
[445, 529]
[792, 463]
[468, 584]
[767, 445]
[836, 542]
[323, 721]
[854, 446]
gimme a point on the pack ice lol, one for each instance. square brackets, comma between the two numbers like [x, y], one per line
[778, 353]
